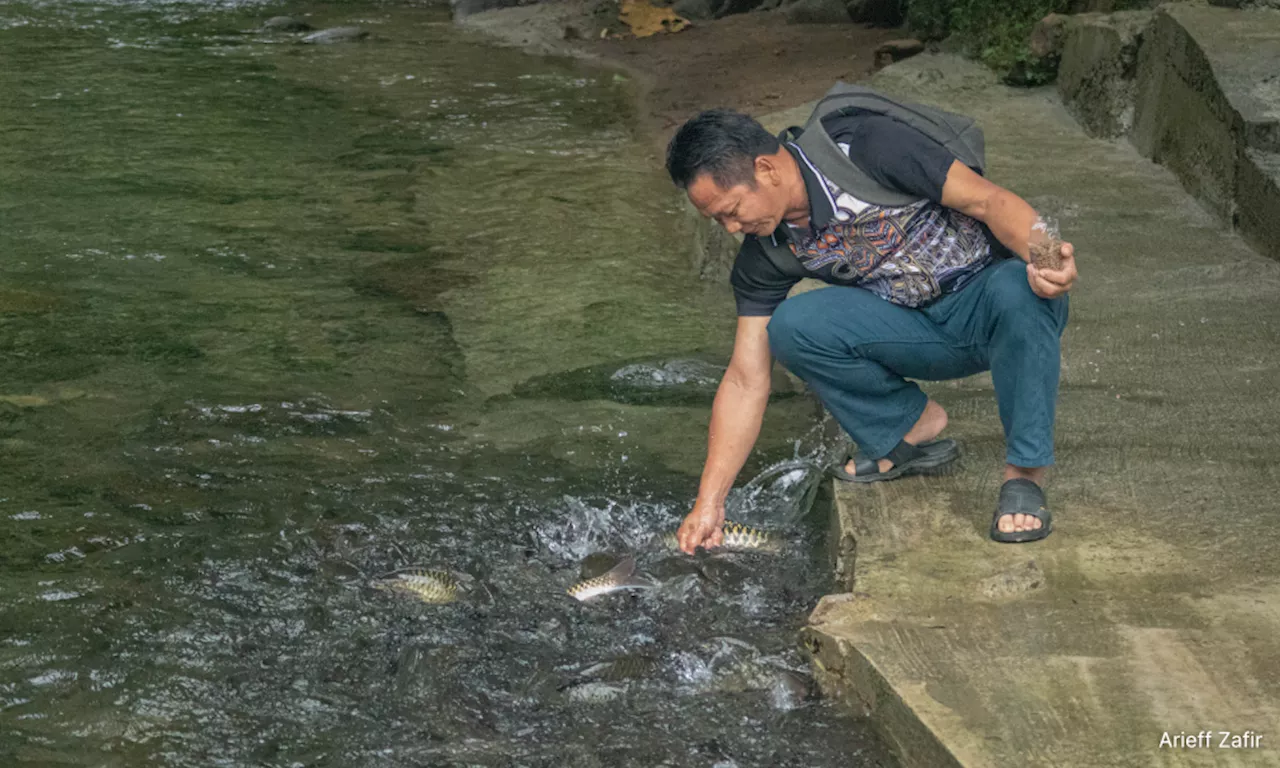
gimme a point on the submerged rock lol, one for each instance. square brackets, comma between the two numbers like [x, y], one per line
[674, 382]
[336, 35]
[285, 24]
[896, 50]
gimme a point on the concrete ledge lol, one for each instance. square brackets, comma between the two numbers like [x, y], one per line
[1154, 606]
[1196, 89]
[1209, 100]
[1098, 74]
[1183, 119]
[1258, 200]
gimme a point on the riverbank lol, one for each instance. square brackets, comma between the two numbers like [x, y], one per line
[1148, 617]
[753, 62]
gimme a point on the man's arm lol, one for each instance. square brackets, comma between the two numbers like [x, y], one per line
[1010, 219]
[736, 417]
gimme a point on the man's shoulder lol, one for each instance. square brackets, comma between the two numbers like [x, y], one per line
[863, 123]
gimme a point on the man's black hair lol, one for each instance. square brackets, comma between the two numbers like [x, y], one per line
[720, 142]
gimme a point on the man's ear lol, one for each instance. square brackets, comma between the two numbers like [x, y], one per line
[767, 170]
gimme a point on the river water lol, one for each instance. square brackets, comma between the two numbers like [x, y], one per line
[277, 318]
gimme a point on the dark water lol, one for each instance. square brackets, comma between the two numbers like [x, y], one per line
[277, 318]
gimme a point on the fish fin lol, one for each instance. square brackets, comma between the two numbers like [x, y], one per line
[622, 571]
[639, 582]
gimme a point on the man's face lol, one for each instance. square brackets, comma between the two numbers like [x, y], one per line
[754, 210]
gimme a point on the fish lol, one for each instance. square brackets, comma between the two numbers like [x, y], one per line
[620, 669]
[755, 675]
[593, 693]
[428, 585]
[621, 576]
[739, 538]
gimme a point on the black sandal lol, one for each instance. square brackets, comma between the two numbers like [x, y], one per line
[1021, 497]
[929, 458]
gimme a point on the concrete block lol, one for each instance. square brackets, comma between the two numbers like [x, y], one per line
[1097, 76]
[1182, 119]
[1208, 107]
[1258, 201]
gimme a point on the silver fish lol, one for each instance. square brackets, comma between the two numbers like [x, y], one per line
[738, 537]
[621, 576]
[428, 585]
[593, 693]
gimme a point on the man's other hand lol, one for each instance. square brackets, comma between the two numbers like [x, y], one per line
[703, 527]
[1052, 283]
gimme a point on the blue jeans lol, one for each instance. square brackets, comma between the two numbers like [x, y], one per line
[855, 351]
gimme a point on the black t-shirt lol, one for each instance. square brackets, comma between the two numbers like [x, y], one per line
[901, 158]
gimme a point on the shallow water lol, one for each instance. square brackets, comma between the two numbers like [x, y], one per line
[278, 318]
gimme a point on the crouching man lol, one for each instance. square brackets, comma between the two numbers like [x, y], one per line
[931, 279]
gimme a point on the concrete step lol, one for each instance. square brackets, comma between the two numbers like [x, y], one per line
[1257, 214]
[1152, 609]
[1196, 89]
[1208, 102]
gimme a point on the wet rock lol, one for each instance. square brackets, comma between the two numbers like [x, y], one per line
[1013, 582]
[895, 50]
[817, 12]
[336, 35]
[698, 10]
[285, 24]
[673, 373]
[464, 8]
[675, 382]
[731, 7]
[878, 12]
[1047, 36]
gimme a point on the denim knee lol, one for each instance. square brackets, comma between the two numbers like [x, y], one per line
[1012, 298]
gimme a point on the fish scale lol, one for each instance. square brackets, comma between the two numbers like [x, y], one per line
[738, 536]
[618, 578]
[430, 586]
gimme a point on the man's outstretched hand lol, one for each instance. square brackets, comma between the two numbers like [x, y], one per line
[703, 527]
[1052, 283]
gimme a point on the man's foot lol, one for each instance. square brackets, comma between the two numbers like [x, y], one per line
[1020, 526]
[927, 427]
